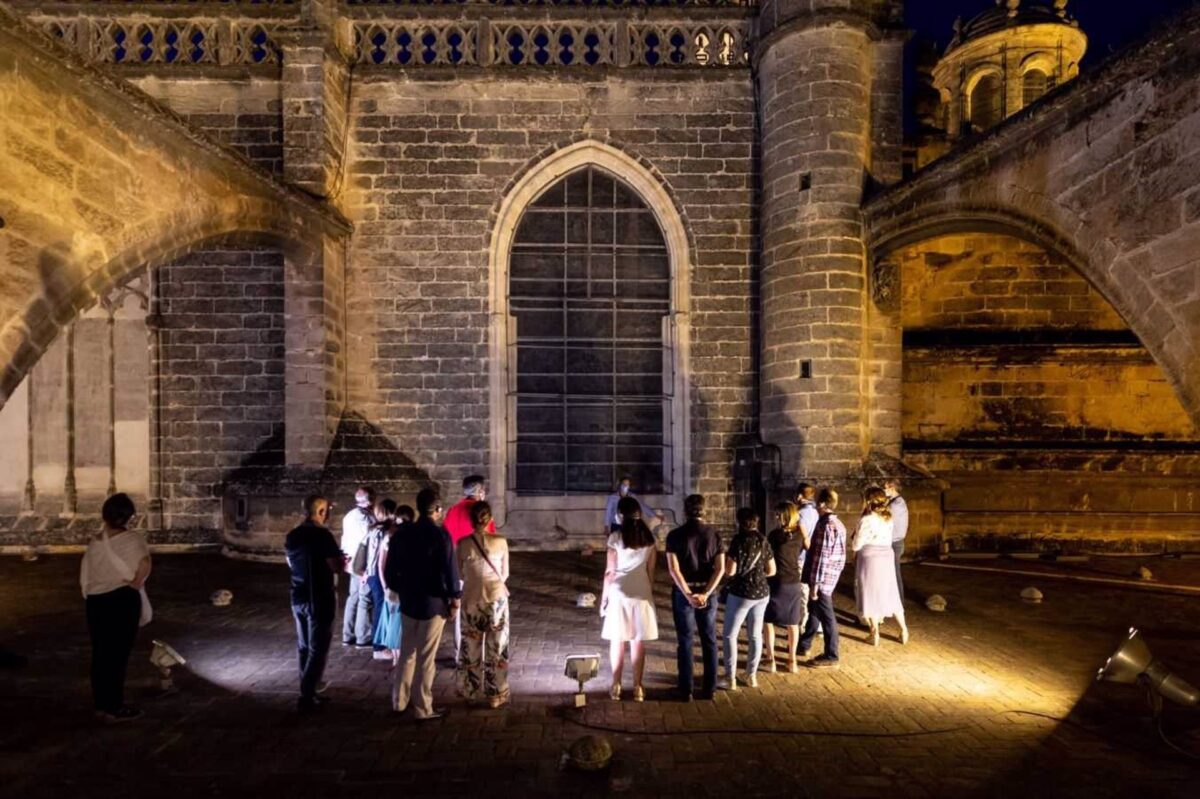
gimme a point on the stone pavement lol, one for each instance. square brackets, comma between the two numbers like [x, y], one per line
[935, 718]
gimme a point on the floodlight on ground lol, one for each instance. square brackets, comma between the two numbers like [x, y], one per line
[582, 668]
[1133, 663]
[164, 658]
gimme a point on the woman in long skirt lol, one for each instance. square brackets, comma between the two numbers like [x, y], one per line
[878, 592]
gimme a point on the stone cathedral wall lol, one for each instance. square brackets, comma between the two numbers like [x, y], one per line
[431, 162]
[983, 362]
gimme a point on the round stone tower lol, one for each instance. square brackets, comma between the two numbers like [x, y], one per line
[814, 63]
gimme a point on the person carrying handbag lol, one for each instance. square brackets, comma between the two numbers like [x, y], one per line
[748, 564]
[483, 658]
[113, 577]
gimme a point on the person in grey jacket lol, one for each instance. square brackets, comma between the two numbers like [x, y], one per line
[899, 509]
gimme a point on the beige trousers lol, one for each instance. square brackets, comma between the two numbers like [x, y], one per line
[419, 639]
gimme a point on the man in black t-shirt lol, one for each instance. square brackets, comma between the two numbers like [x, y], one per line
[696, 563]
[314, 558]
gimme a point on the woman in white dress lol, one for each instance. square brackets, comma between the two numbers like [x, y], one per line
[878, 591]
[627, 603]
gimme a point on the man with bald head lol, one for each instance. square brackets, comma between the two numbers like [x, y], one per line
[314, 558]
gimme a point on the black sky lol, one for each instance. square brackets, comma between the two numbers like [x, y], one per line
[1109, 24]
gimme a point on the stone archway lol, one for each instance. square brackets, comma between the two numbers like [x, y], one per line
[1029, 396]
[1104, 172]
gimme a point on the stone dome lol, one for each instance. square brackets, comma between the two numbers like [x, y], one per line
[1009, 14]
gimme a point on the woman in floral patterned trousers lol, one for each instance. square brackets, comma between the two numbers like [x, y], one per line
[483, 567]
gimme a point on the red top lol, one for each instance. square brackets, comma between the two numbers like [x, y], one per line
[458, 521]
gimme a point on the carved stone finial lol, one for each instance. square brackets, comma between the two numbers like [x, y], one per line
[1013, 5]
[1060, 8]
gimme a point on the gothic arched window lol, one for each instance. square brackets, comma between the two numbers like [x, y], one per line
[987, 102]
[589, 288]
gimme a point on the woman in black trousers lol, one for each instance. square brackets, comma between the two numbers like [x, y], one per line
[113, 574]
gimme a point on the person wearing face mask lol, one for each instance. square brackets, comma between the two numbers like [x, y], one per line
[458, 524]
[356, 534]
[314, 558]
[612, 519]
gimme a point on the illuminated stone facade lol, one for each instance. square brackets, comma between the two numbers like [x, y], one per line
[314, 227]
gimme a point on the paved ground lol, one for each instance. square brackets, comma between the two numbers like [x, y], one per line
[936, 718]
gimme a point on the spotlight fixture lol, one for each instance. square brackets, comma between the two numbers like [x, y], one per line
[582, 668]
[1133, 663]
[164, 657]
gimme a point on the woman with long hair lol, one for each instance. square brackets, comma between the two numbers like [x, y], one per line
[786, 605]
[627, 601]
[878, 591]
[748, 565]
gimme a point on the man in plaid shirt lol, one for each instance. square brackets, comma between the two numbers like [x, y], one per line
[822, 568]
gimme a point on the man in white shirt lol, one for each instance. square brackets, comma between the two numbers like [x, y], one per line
[899, 509]
[612, 521]
[356, 527]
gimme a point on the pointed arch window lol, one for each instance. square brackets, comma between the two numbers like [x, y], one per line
[589, 294]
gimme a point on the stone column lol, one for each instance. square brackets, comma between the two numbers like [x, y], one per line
[70, 495]
[29, 497]
[885, 332]
[814, 65]
[314, 369]
[315, 89]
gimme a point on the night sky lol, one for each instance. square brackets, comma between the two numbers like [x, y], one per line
[1109, 24]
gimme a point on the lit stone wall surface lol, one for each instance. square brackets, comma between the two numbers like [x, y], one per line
[432, 162]
[314, 201]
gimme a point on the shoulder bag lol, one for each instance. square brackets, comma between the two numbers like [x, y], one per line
[750, 568]
[491, 565]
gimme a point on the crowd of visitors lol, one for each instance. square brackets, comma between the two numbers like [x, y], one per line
[410, 570]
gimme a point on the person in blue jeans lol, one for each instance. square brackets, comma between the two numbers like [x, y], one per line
[748, 564]
[381, 531]
[822, 570]
[696, 562]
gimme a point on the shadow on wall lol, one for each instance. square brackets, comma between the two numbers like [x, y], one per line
[263, 497]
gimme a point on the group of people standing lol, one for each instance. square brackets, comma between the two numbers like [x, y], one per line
[409, 572]
[783, 579]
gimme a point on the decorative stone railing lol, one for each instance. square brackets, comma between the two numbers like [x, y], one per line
[154, 41]
[564, 3]
[408, 34]
[420, 42]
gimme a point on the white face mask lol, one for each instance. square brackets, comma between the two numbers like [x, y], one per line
[623, 490]
[362, 501]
